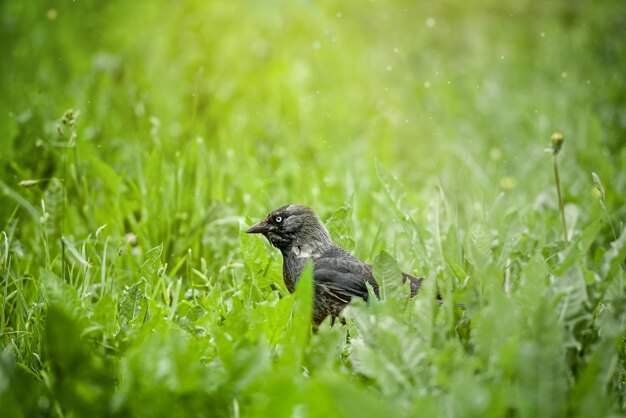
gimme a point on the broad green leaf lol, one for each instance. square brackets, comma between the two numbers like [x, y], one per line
[303, 308]
[107, 174]
[21, 393]
[105, 315]
[83, 383]
[587, 399]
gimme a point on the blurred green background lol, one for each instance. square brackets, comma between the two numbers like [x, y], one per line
[417, 128]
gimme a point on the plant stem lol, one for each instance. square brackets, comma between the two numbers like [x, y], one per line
[558, 192]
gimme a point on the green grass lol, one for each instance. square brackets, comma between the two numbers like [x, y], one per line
[417, 130]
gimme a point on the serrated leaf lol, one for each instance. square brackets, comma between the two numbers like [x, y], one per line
[255, 256]
[196, 312]
[423, 311]
[578, 247]
[458, 271]
[385, 354]
[345, 396]
[339, 225]
[61, 294]
[131, 302]
[295, 338]
[387, 274]
[152, 262]
[532, 283]
[480, 244]
[375, 365]
[614, 258]
[451, 253]
[574, 306]
[395, 196]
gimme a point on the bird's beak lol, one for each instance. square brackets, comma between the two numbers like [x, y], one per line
[258, 228]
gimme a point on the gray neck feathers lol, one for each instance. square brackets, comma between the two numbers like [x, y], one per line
[312, 240]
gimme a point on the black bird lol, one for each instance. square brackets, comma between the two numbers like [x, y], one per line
[338, 276]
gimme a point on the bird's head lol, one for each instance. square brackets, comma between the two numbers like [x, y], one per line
[293, 226]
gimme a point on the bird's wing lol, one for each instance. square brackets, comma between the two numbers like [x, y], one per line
[343, 277]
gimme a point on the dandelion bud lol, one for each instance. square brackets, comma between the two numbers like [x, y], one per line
[598, 183]
[556, 141]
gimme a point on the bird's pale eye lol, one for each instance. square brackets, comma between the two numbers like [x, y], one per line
[278, 219]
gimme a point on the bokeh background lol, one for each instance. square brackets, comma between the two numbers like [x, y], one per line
[415, 127]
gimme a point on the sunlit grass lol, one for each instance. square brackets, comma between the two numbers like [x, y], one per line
[416, 131]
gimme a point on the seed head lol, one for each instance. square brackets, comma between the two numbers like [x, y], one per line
[69, 117]
[28, 183]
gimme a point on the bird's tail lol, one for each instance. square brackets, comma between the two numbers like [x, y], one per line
[415, 283]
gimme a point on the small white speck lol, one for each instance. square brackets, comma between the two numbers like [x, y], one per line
[501, 57]
[542, 34]
[563, 74]
[427, 84]
[430, 22]
[317, 44]
[339, 14]
[389, 68]
[396, 50]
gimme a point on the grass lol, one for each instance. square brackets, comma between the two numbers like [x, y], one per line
[140, 139]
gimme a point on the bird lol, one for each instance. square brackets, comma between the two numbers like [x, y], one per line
[338, 276]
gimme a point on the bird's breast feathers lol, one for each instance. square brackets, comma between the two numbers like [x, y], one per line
[304, 251]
